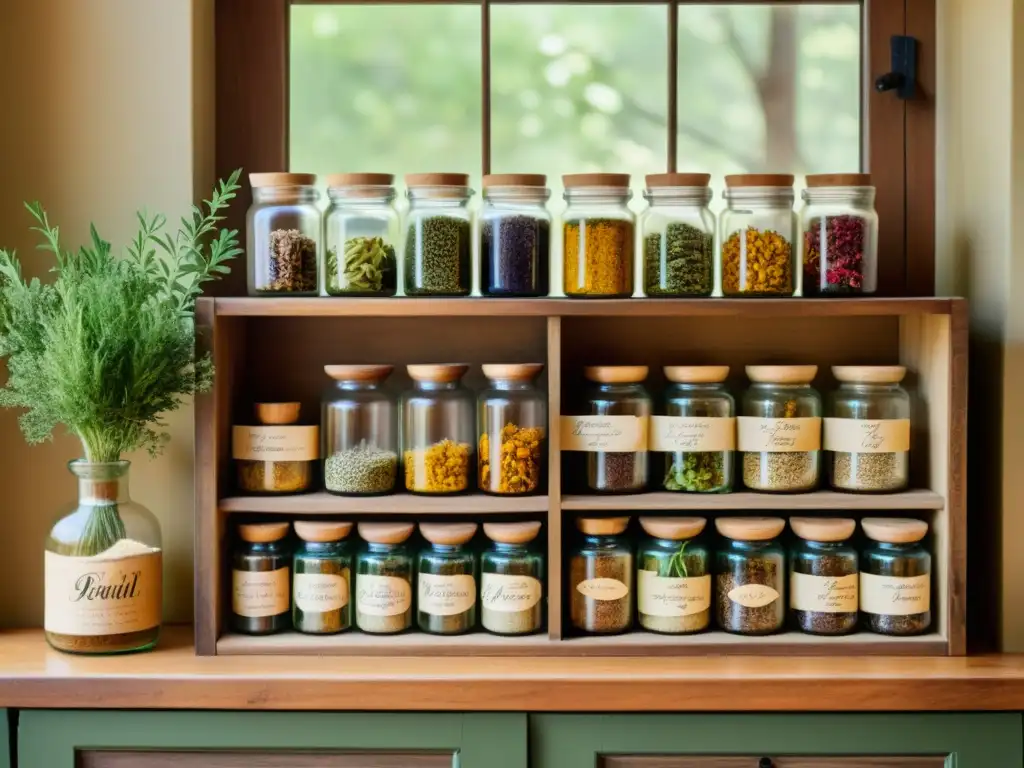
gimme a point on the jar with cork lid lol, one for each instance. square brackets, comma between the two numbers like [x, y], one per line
[512, 580]
[757, 233]
[678, 232]
[322, 578]
[384, 574]
[750, 575]
[515, 235]
[260, 579]
[601, 572]
[277, 455]
[823, 581]
[840, 235]
[437, 430]
[673, 576]
[598, 231]
[283, 234]
[446, 579]
[361, 229]
[512, 416]
[895, 577]
[437, 235]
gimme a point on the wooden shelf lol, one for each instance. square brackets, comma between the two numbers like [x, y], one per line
[795, 502]
[322, 503]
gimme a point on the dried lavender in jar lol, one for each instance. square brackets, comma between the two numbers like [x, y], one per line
[515, 235]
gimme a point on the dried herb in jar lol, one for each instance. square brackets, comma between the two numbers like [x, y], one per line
[869, 471]
[823, 578]
[519, 460]
[384, 572]
[511, 587]
[601, 577]
[321, 578]
[841, 255]
[441, 468]
[750, 575]
[673, 579]
[437, 252]
[446, 578]
[367, 265]
[260, 593]
[278, 455]
[686, 268]
[292, 264]
[514, 252]
[598, 258]
[696, 472]
[895, 577]
[768, 266]
[364, 469]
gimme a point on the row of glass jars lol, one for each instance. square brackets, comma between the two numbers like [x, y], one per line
[666, 581]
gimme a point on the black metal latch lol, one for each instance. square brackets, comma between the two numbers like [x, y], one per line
[903, 76]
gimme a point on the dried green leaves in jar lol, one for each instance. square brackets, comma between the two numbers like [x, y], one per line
[895, 577]
[321, 578]
[437, 238]
[601, 577]
[678, 231]
[673, 576]
[384, 578]
[512, 580]
[275, 456]
[260, 594]
[360, 225]
[750, 575]
[446, 579]
[823, 581]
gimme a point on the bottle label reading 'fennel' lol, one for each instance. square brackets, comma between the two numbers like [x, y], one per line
[862, 436]
[602, 589]
[778, 435]
[257, 594]
[604, 433]
[509, 594]
[382, 595]
[673, 597]
[446, 595]
[320, 592]
[895, 596]
[823, 594]
[691, 433]
[278, 443]
[753, 595]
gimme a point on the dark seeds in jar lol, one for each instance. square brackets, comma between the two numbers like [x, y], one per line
[514, 251]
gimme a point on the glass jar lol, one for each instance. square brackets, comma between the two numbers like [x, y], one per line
[278, 455]
[895, 577]
[779, 430]
[601, 577]
[360, 431]
[446, 579]
[322, 578]
[260, 577]
[840, 235]
[758, 229]
[616, 462]
[283, 234]
[673, 577]
[750, 575]
[696, 430]
[104, 537]
[437, 430]
[678, 231]
[598, 232]
[361, 228]
[384, 579]
[823, 576]
[437, 235]
[867, 430]
[512, 419]
[515, 235]
[512, 580]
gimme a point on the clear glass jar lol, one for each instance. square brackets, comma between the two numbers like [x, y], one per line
[619, 396]
[515, 235]
[512, 580]
[867, 431]
[673, 576]
[260, 580]
[840, 235]
[823, 581]
[361, 229]
[437, 430]
[598, 233]
[438, 235]
[90, 548]
[601, 577]
[446, 579]
[757, 235]
[322, 578]
[283, 234]
[779, 429]
[678, 231]
[895, 577]
[360, 431]
[384, 572]
[696, 430]
[750, 575]
[512, 421]
[278, 455]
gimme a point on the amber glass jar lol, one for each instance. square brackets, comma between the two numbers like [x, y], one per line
[601, 573]
[278, 455]
[260, 578]
[598, 230]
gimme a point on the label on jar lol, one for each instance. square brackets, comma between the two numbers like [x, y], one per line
[604, 433]
[382, 595]
[862, 436]
[675, 597]
[446, 595]
[779, 435]
[320, 592]
[895, 596]
[509, 594]
[692, 433]
[753, 595]
[291, 443]
[602, 589]
[260, 593]
[823, 594]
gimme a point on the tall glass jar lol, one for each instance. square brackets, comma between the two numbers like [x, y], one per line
[757, 233]
[601, 577]
[750, 575]
[696, 429]
[446, 579]
[779, 429]
[895, 577]
[361, 228]
[260, 580]
[322, 578]
[515, 235]
[840, 235]
[823, 576]
[673, 576]
[597, 229]
[283, 234]
[107, 549]
[438, 235]
[615, 443]
[384, 573]
[512, 580]
[512, 422]
[678, 231]
[867, 430]
[437, 430]
[360, 431]
[277, 456]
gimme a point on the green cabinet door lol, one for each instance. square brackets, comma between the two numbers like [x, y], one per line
[5, 741]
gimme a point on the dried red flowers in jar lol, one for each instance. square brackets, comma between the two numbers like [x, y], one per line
[840, 235]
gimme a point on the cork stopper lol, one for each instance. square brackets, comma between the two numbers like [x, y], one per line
[358, 372]
[759, 180]
[839, 180]
[512, 371]
[443, 373]
[573, 180]
[782, 374]
[437, 180]
[696, 374]
[602, 526]
[823, 528]
[512, 533]
[750, 528]
[515, 180]
[448, 534]
[869, 374]
[673, 528]
[360, 179]
[894, 530]
[385, 533]
[616, 374]
[278, 413]
[262, 533]
[308, 530]
[678, 179]
[282, 179]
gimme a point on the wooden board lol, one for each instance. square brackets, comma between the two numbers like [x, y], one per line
[322, 503]
[825, 501]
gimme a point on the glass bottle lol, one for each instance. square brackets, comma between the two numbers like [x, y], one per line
[283, 234]
[750, 575]
[895, 577]
[322, 578]
[619, 397]
[823, 576]
[867, 431]
[779, 429]
[437, 235]
[601, 577]
[295, 449]
[384, 573]
[108, 550]
[512, 580]
[446, 579]
[512, 421]
[678, 231]
[437, 430]
[260, 579]
[673, 576]
[360, 431]
[515, 235]
[361, 229]
[757, 233]
[598, 236]
[840, 235]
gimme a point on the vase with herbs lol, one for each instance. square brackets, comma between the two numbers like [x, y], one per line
[108, 349]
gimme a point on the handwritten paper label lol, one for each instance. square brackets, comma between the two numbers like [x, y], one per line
[753, 595]
[675, 597]
[260, 593]
[893, 596]
[604, 433]
[692, 433]
[382, 595]
[320, 592]
[823, 594]
[275, 443]
[779, 435]
[602, 589]
[859, 436]
[446, 595]
[509, 594]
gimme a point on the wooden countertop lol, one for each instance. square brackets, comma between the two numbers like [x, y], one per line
[172, 677]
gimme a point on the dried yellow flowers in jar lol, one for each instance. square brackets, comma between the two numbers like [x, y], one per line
[512, 415]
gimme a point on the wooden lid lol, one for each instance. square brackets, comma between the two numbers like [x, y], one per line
[894, 530]
[282, 179]
[673, 528]
[571, 180]
[750, 528]
[262, 533]
[278, 413]
[823, 528]
[437, 179]
[759, 180]
[696, 374]
[360, 179]
[602, 526]
[839, 180]
[512, 371]
[308, 530]
[678, 179]
[869, 374]
[782, 374]
[358, 372]
[512, 533]
[448, 534]
[616, 374]
[385, 533]
[515, 180]
[440, 373]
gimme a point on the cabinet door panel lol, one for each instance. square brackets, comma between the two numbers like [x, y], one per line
[756, 761]
[207, 759]
[5, 745]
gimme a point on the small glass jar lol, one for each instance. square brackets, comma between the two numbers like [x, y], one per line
[515, 235]
[260, 577]
[601, 577]
[779, 429]
[619, 464]
[673, 576]
[283, 234]
[512, 580]
[360, 431]
[322, 578]
[361, 228]
[512, 421]
[384, 572]
[696, 430]
[867, 431]
[840, 235]
[895, 577]
[757, 233]
[446, 579]
[678, 231]
[277, 456]
[598, 233]
[750, 575]
[437, 430]
[438, 235]
[823, 581]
